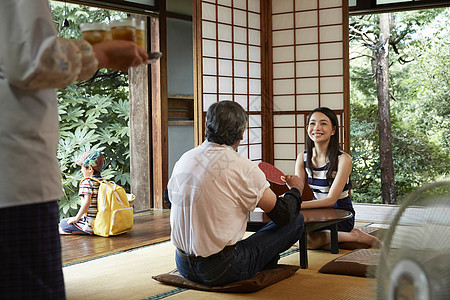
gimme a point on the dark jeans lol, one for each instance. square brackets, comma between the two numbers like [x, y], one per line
[69, 227]
[30, 252]
[258, 252]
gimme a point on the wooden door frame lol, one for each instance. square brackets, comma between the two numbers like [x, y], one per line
[159, 107]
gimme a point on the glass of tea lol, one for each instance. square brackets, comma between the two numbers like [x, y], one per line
[140, 34]
[95, 32]
[124, 29]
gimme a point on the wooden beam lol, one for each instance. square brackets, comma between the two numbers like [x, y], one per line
[119, 5]
[159, 107]
[179, 16]
[371, 6]
[198, 95]
[266, 82]
[180, 107]
[345, 52]
[140, 157]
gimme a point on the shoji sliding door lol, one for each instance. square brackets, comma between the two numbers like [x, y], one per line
[310, 69]
[227, 59]
[279, 59]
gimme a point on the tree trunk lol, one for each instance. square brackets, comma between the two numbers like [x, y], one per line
[382, 76]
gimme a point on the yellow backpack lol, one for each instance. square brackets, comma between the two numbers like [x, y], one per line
[114, 216]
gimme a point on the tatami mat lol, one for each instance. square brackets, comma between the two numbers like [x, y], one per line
[128, 275]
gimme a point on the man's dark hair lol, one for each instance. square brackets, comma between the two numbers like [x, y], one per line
[225, 121]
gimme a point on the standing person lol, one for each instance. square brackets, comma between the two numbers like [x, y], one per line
[33, 62]
[91, 163]
[212, 190]
[327, 170]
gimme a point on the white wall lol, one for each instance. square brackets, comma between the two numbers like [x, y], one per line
[180, 81]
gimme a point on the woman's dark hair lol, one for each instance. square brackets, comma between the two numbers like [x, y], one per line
[225, 121]
[333, 146]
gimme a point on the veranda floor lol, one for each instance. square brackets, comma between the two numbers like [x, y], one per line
[153, 226]
[150, 227]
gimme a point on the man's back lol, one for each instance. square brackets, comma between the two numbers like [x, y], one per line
[212, 189]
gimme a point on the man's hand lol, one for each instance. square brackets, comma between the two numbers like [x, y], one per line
[293, 181]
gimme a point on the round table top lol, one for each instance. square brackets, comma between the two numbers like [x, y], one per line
[322, 215]
[310, 215]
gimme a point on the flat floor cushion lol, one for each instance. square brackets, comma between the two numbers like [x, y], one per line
[355, 263]
[347, 246]
[258, 282]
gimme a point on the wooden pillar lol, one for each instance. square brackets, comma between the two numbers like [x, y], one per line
[346, 57]
[266, 82]
[140, 142]
[198, 88]
[159, 106]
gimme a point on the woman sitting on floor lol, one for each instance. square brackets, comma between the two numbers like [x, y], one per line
[327, 170]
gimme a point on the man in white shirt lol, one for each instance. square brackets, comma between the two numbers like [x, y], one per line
[33, 62]
[212, 190]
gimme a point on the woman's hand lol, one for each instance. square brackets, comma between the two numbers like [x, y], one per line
[119, 55]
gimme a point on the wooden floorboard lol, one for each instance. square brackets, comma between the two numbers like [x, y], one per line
[153, 226]
[150, 227]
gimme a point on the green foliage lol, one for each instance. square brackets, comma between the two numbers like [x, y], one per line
[91, 122]
[432, 65]
[366, 182]
[419, 111]
[416, 160]
[77, 14]
[92, 114]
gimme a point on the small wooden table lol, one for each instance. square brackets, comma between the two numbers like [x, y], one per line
[315, 218]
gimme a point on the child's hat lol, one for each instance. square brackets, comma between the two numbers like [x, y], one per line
[92, 159]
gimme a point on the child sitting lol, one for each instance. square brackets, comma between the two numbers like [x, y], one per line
[91, 162]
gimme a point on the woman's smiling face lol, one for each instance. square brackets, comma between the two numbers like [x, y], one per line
[320, 128]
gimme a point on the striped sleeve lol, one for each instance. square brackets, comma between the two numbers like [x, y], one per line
[86, 188]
